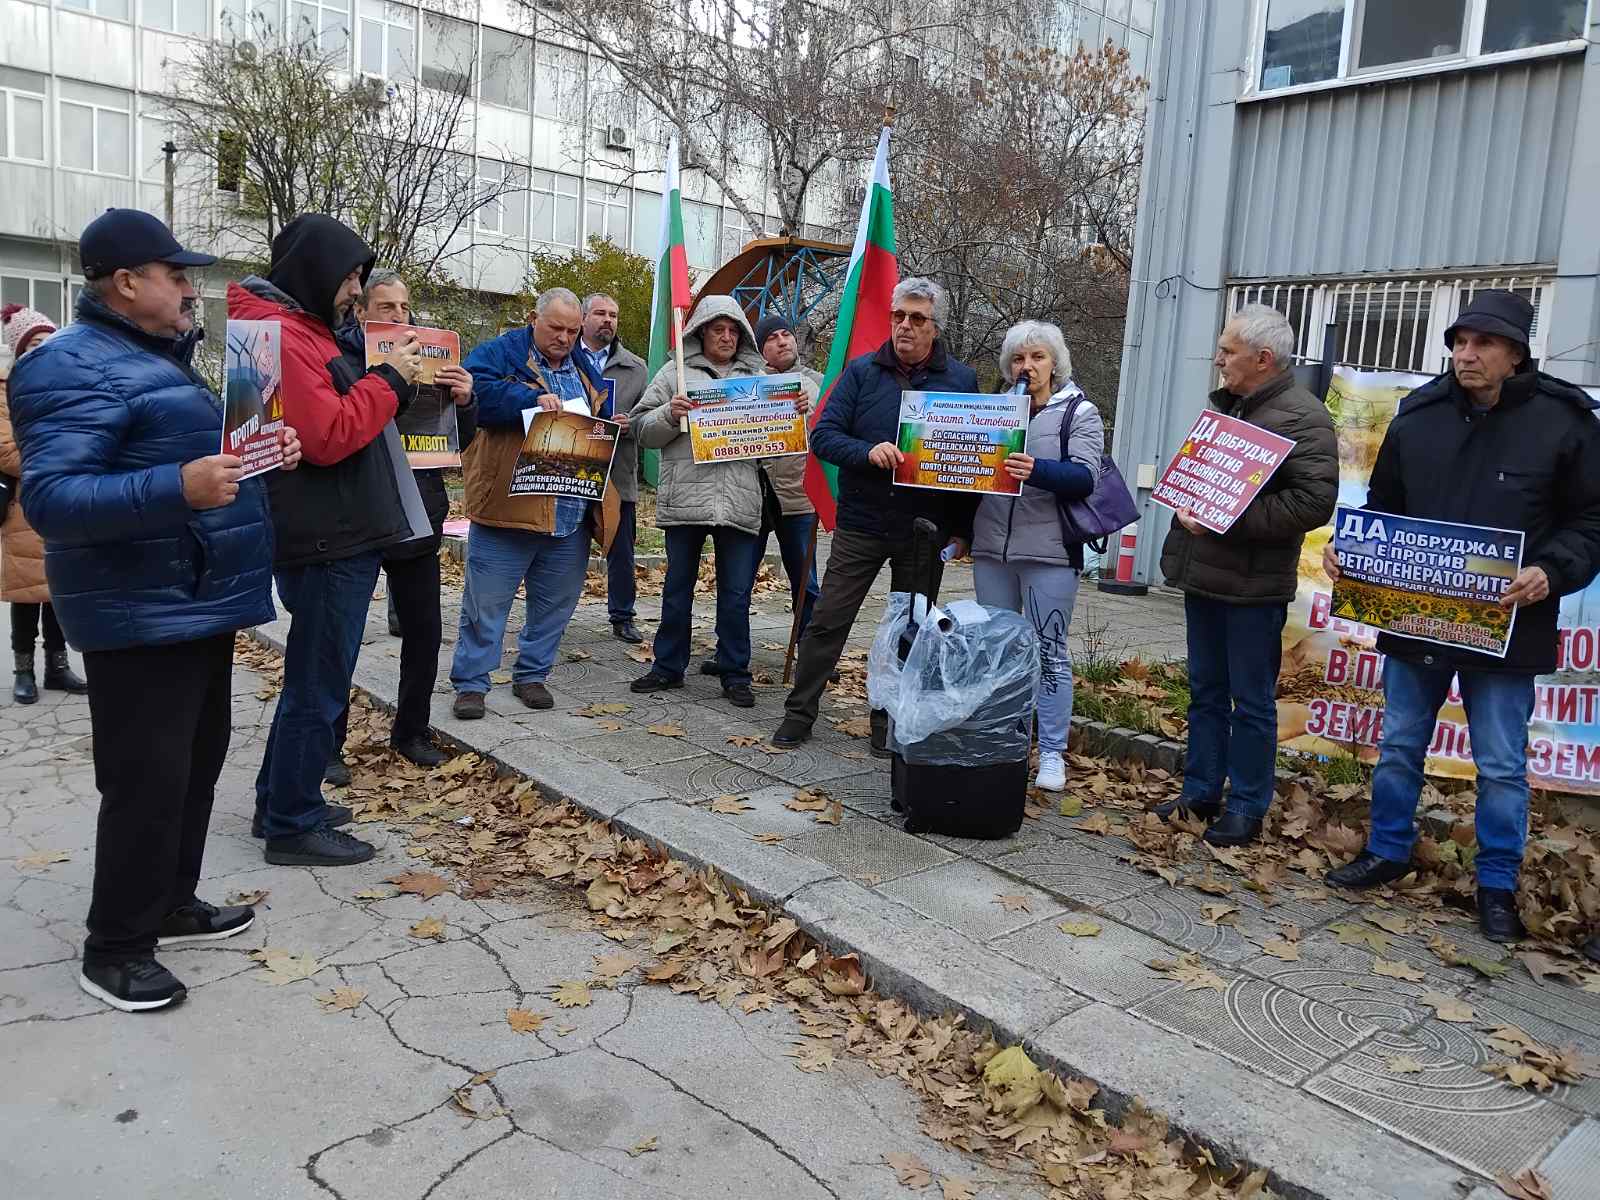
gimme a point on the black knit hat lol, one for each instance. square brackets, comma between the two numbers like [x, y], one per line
[1502, 313]
[769, 325]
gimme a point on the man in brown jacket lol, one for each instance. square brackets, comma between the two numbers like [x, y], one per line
[539, 541]
[1237, 585]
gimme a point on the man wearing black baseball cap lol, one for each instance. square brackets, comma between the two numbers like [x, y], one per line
[156, 552]
[1490, 442]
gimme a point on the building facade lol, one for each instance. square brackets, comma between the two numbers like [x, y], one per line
[85, 84]
[1364, 167]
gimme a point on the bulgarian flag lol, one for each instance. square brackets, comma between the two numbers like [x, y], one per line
[863, 323]
[670, 295]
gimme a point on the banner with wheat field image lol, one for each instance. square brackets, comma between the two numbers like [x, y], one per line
[1330, 689]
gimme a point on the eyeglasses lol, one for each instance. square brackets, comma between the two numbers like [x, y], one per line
[900, 317]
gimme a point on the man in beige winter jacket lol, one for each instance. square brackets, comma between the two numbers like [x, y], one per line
[694, 501]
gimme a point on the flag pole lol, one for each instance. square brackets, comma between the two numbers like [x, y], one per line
[799, 603]
[677, 348]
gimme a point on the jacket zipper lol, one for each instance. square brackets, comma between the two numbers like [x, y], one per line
[1011, 515]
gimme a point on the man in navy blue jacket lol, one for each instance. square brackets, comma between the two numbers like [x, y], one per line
[156, 552]
[858, 432]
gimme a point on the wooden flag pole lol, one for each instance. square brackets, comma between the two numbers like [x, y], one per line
[677, 349]
[800, 604]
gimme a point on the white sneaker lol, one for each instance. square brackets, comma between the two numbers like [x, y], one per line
[1052, 772]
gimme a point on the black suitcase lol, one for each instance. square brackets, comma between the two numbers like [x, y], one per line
[971, 802]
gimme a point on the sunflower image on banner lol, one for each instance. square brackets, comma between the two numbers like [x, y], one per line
[958, 441]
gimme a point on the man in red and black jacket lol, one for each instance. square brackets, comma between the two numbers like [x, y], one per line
[332, 519]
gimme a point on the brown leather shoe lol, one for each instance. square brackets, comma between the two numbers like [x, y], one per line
[468, 706]
[534, 695]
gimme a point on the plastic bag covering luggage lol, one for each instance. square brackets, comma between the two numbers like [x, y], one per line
[966, 693]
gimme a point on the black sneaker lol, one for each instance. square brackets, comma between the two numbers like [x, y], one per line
[711, 666]
[739, 695]
[419, 751]
[319, 848]
[337, 815]
[654, 681]
[133, 985]
[626, 631]
[202, 922]
[336, 772]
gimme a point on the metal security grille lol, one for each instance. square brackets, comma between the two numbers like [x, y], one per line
[1386, 324]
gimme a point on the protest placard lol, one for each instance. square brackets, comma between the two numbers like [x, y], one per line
[958, 441]
[428, 427]
[564, 454]
[1222, 465]
[252, 395]
[749, 416]
[1432, 580]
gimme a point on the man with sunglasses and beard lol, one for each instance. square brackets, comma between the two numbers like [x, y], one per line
[857, 432]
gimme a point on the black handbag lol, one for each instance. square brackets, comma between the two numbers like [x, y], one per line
[1094, 518]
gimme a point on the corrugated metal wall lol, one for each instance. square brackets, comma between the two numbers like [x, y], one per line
[1437, 171]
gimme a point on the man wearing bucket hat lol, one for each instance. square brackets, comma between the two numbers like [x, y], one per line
[1490, 442]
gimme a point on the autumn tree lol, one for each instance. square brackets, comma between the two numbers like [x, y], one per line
[602, 266]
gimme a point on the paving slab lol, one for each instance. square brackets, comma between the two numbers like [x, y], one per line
[976, 900]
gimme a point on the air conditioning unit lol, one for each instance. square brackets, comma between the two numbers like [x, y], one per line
[619, 137]
[855, 195]
[375, 89]
[246, 52]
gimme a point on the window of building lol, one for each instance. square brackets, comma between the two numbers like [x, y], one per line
[252, 20]
[323, 26]
[30, 292]
[611, 100]
[21, 116]
[555, 208]
[507, 72]
[94, 134]
[647, 223]
[736, 231]
[154, 133]
[449, 49]
[191, 17]
[1306, 42]
[700, 233]
[606, 213]
[388, 39]
[115, 9]
[1143, 16]
[558, 82]
[507, 212]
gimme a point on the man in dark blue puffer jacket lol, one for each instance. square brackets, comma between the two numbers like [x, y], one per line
[156, 552]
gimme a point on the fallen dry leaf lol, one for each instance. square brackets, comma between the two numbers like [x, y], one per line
[909, 1170]
[1192, 972]
[956, 1188]
[1398, 970]
[767, 839]
[1081, 927]
[1519, 1075]
[644, 1147]
[1281, 948]
[833, 815]
[1351, 934]
[429, 927]
[806, 800]
[856, 727]
[1219, 914]
[1403, 1064]
[341, 999]
[1013, 903]
[279, 967]
[810, 1057]
[43, 858]
[420, 883]
[248, 899]
[1448, 1008]
[571, 993]
[745, 740]
[667, 730]
[614, 966]
[525, 1020]
[1542, 966]
[1390, 921]
[1530, 1185]
[731, 805]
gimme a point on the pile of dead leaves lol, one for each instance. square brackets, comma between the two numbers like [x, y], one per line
[690, 931]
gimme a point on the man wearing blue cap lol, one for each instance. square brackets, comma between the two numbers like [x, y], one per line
[1490, 442]
[156, 552]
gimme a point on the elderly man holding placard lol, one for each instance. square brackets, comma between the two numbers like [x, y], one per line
[1266, 441]
[1494, 443]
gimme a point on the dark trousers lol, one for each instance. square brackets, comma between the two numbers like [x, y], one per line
[25, 619]
[622, 589]
[414, 599]
[853, 566]
[161, 716]
[328, 603]
[1234, 653]
[737, 554]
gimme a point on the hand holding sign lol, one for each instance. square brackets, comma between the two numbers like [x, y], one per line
[1529, 587]
[406, 357]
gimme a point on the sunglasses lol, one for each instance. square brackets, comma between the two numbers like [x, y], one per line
[901, 317]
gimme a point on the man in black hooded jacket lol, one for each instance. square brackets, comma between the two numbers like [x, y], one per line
[1491, 442]
[332, 519]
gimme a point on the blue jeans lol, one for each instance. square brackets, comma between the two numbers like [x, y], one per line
[552, 569]
[1234, 652]
[622, 589]
[794, 544]
[1498, 709]
[328, 605]
[738, 555]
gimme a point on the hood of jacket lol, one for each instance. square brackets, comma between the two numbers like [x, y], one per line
[311, 256]
[708, 310]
